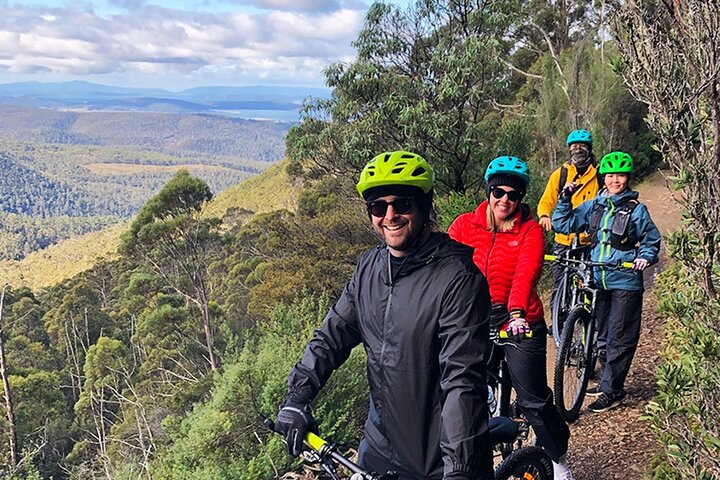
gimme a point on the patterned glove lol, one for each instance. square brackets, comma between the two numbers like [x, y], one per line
[518, 327]
[294, 421]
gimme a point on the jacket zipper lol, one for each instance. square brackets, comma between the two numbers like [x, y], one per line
[380, 405]
[604, 244]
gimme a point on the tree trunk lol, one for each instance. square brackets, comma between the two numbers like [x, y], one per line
[209, 341]
[12, 434]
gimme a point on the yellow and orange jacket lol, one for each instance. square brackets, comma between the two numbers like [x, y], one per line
[587, 188]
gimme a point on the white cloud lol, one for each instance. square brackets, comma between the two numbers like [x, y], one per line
[238, 47]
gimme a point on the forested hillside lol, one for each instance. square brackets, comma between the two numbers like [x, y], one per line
[69, 173]
[160, 362]
[273, 189]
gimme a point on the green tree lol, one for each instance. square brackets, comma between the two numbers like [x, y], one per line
[73, 325]
[178, 244]
[426, 79]
[670, 62]
[107, 369]
[225, 438]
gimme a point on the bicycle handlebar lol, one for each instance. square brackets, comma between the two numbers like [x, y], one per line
[554, 258]
[322, 450]
[503, 334]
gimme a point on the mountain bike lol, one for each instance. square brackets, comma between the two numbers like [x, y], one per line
[562, 300]
[502, 400]
[577, 353]
[527, 463]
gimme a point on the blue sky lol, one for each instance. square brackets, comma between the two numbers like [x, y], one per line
[177, 44]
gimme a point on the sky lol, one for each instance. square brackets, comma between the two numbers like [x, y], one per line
[178, 44]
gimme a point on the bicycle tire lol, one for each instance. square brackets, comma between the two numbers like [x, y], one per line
[573, 363]
[528, 463]
[504, 403]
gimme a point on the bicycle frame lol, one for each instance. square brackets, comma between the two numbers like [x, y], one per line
[561, 301]
[577, 349]
[505, 405]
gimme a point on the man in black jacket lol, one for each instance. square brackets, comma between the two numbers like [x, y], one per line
[420, 307]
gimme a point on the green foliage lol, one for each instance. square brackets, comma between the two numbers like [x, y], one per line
[448, 208]
[225, 439]
[424, 80]
[685, 415]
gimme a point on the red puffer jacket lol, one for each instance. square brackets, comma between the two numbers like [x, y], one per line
[511, 261]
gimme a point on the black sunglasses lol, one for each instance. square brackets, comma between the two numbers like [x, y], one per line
[401, 206]
[513, 196]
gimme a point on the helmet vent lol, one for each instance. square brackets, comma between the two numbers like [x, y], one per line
[387, 157]
[418, 171]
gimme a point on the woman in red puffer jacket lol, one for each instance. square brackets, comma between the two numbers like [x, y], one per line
[509, 246]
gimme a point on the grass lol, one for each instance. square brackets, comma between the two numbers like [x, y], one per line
[68, 258]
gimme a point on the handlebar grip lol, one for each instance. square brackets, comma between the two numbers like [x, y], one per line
[627, 264]
[550, 258]
[504, 334]
[314, 442]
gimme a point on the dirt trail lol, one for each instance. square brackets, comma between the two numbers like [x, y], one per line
[617, 444]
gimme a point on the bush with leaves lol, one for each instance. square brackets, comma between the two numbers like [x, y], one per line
[685, 415]
[225, 438]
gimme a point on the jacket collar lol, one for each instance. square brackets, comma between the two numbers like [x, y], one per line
[620, 198]
[439, 245]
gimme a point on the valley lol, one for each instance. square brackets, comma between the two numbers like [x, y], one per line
[69, 173]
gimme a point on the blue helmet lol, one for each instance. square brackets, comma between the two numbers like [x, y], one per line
[579, 136]
[509, 166]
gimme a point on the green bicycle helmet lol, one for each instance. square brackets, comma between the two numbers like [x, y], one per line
[579, 136]
[616, 162]
[399, 168]
[509, 166]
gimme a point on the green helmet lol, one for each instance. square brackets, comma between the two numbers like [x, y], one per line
[396, 168]
[616, 162]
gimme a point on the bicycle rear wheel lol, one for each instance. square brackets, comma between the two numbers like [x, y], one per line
[573, 363]
[529, 463]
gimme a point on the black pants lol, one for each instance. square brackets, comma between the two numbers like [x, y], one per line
[618, 315]
[528, 372]
[558, 270]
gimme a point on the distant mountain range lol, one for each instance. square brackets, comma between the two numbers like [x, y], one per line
[242, 102]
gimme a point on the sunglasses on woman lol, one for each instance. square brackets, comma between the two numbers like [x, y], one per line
[401, 206]
[513, 196]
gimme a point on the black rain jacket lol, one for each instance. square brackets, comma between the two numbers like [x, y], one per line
[425, 333]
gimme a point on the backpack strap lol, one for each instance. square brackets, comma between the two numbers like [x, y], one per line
[563, 178]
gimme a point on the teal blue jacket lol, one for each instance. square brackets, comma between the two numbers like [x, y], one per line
[566, 220]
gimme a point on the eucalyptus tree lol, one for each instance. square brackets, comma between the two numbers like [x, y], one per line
[171, 237]
[427, 79]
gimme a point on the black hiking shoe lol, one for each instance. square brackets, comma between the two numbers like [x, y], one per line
[605, 403]
[594, 391]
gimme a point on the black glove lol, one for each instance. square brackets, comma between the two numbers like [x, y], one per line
[294, 421]
[568, 190]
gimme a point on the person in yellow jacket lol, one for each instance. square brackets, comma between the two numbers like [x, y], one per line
[578, 169]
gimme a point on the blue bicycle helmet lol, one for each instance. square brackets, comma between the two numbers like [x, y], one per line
[509, 166]
[579, 136]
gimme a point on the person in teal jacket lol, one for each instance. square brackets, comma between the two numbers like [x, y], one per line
[621, 230]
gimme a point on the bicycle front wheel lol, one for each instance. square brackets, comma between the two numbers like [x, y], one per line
[529, 463]
[573, 363]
